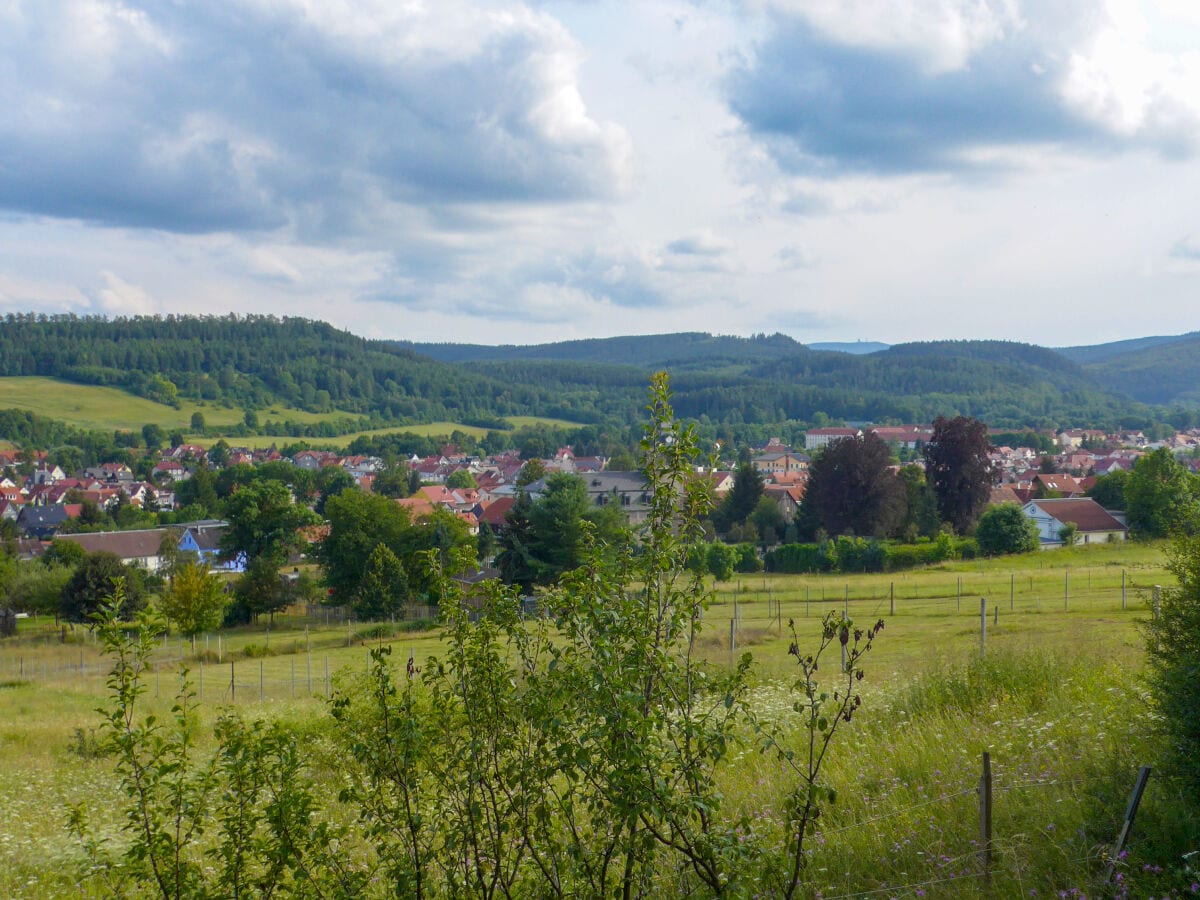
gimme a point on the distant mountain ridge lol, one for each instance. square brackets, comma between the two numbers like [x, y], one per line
[855, 347]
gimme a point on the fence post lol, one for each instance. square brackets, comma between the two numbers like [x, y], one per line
[985, 820]
[843, 645]
[983, 626]
[732, 640]
[1135, 799]
[232, 682]
[1122, 589]
[1155, 604]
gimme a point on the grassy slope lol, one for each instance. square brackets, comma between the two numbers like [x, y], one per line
[430, 429]
[110, 409]
[107, 409]
[1058, 708]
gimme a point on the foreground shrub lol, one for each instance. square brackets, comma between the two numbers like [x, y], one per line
[576, 754]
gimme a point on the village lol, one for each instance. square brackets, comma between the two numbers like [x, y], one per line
[43, 502]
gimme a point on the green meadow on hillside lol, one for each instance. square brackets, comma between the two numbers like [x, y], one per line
[111, 409]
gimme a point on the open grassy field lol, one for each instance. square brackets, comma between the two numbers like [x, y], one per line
[430, 429]
[111, 409]
[1056, 700]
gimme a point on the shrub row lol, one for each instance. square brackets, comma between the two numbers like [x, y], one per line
[856, 554]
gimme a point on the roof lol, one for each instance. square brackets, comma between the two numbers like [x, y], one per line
[494, 513]
[126, 544]
[1085, 514]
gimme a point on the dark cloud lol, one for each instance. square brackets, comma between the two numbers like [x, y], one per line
[247, 116]
[823, 106]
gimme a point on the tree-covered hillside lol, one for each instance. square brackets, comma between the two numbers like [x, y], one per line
[745, 384]
[1161, 370]
[686, 350]
[254, 361]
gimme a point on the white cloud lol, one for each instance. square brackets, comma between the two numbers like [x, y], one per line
[1119, 80]
[121, 298]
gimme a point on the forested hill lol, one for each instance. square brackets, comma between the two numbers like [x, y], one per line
[686, 350]
[1005, 383]
[256, 361]
[1163, 370]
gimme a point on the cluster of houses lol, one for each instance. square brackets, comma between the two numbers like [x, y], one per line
[47, 497]
[1054, 501]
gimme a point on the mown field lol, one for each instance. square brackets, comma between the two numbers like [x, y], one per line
[1056, 700]
[430, 429]
[111, 409]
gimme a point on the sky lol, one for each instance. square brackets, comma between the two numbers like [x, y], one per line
[506, 172]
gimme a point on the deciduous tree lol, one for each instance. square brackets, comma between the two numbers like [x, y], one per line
[1161, 496]
[852, 490]
[195, 601]
[959, 470]
[93, 581]
[1006, 529]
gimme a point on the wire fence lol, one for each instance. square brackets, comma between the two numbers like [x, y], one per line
[980, 851]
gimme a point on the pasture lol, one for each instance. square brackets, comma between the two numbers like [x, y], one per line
[112, 409]
[1054, 696]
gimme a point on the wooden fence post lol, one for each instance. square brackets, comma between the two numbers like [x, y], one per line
[1135, 799]
[985, 820]
[843, 645]
[983, 626]
[232, 683]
